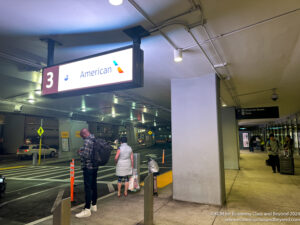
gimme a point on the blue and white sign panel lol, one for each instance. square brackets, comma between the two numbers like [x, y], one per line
[108, 69]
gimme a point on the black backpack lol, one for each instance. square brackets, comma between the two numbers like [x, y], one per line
[101, 152]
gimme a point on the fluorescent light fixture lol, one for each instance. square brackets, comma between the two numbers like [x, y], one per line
[154, 123]
[113, 112]
[31, 100]
[115, 2]
[145, 109]
[133, 105]
[83, 109]
[178, 55]
[131, 116]
[224, 105]
[220, 65]
[116, 100]
[143, 118]
[38, 92]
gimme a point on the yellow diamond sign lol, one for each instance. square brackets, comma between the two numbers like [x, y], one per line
[149, 132]
[40, 131]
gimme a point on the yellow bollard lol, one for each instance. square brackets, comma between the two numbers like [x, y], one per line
[163, 157]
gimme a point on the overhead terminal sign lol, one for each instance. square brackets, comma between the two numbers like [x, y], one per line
[257, 113]
[113, 70]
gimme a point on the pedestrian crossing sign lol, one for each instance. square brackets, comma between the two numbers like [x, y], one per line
[40, 131]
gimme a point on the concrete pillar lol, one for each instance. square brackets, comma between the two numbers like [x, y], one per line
[73, 128]
[131, 135]
[198, 167]
[230, 138]
[13, 133]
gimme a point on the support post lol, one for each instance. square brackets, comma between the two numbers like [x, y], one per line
[51, 45]
[148, 200]
[61, 210]
[72, 175]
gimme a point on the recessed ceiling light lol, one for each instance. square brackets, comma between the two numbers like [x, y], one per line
[31, 100]
[115, 2]
[38, 92]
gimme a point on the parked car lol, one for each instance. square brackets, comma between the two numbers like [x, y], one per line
[28, 150]
[2, 185]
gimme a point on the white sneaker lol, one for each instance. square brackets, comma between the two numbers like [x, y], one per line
[84, 213]
[94, 208]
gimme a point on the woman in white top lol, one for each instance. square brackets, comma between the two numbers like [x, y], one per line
[124, 161]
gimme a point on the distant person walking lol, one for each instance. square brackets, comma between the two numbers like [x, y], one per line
[289, 146]
[124, 161]
[89, 174]
[251, 144]
[262, 145]
[273, 151]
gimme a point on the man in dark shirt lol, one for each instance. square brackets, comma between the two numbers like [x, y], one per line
[89, 174]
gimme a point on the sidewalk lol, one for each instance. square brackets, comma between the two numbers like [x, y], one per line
[254, 196]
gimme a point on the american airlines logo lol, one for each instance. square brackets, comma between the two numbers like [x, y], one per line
[119, 68]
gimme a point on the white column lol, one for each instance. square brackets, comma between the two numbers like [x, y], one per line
[198, 167]
[230, 138]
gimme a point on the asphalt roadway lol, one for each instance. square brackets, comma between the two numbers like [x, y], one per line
[32, 190]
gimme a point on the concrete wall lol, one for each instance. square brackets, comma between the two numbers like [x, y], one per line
[230, 138]
[198, 169]
[131, 135]
[13, 133]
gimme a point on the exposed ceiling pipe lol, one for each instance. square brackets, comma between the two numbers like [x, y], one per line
[158, 28]
[20, 60]
[257, 92]
[244, 28]
[231, 88]
[188, 29]
[142, 12]
[144, 101]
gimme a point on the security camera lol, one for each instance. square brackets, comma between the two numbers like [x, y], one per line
[274, 97]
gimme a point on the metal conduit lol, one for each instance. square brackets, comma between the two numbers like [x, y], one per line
[244, 28]
[141, 11]
[158, 28]
[230, 88]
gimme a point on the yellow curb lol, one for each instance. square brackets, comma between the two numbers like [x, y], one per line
[163, 179]
[9, 168]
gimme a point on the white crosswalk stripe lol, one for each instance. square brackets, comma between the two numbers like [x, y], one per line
[60, 174]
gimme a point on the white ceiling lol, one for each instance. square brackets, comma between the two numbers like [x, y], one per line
[258, 39]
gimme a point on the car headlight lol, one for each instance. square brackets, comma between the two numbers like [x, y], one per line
[1, 180]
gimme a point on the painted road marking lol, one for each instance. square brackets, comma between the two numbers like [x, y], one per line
[111, 187]
[72, 209]
[31, 169]
[26, 196]
[26, 187]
